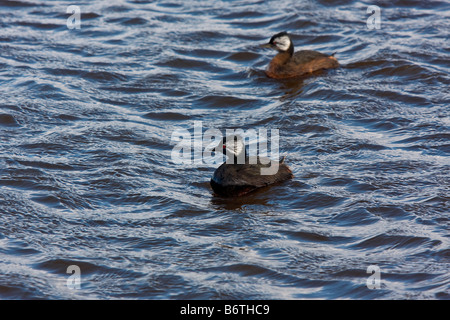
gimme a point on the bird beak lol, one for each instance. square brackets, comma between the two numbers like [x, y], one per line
[266, 45]
[215, 147]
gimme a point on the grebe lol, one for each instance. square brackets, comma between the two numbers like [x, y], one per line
[288, 64]
[244, 174]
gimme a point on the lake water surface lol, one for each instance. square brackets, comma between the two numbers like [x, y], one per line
[86, 175]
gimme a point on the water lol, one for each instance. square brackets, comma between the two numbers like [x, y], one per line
[86, 176]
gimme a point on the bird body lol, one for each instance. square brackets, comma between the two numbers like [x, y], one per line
[237, 179]
[287, 64]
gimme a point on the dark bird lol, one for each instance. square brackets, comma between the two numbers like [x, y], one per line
[241, 174]
[287, 64]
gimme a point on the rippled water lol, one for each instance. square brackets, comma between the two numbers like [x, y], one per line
[86, 176]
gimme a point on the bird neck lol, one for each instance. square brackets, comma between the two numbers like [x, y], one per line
[291, 50]
[283, 57]
[241, 158]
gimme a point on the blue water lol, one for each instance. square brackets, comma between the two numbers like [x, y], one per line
[86, 175]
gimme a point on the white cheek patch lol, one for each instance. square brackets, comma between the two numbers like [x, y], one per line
[283, 43]
[238, 147]
[234, 147]
[230, 150]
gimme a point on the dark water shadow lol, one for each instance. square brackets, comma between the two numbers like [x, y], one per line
[262, 199]
[289, 88]
[259, 197]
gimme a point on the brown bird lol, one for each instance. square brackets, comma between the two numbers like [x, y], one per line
[245, 174]
[287, 64]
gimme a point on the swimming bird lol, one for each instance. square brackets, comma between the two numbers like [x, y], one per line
[245, 174]
[287, 64]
